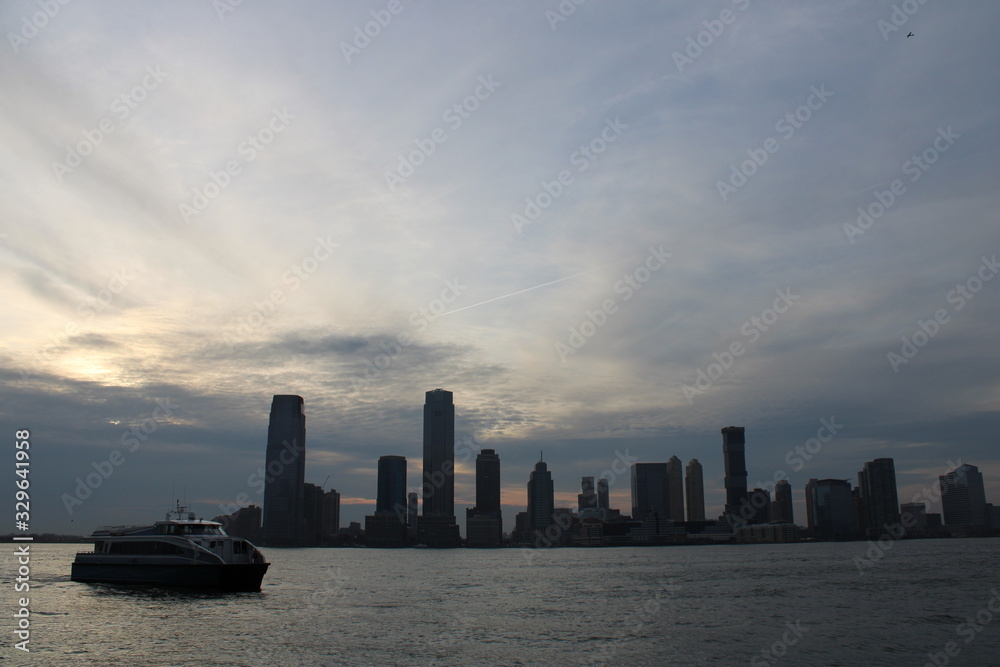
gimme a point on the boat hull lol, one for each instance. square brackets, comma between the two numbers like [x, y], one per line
[244, 577]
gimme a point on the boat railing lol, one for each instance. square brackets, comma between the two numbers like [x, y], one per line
[117, 530]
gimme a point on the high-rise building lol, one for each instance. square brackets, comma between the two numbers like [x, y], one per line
[877, 485]
[387, 527]
[488, 482]
[541, 498]
[587, 499]
[781, 506]
[285, 465]
[391, 495]
[734, 456]
[331, 516]
[439, 454]
[675, 488]
[758, 507]
[831, 510]
[484, 522]
[860, 512]
[312, 498]
[650, 491]
[437, 527]
[244, 522]
[963, 497]
[694, 486]
[603, 494]
[522, 528]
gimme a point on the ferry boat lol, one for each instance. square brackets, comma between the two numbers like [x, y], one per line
[180, 551]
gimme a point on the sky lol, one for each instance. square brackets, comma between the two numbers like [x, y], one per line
[611, 229]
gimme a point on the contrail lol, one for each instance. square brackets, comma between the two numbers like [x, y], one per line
[528, 289]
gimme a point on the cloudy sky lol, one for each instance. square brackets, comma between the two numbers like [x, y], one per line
[610, 229]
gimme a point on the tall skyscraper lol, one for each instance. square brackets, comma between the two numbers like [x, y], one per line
[285, 465]
[734, 456]
[877, 484]
[437, 527]
[675, 488]
[831, 510]
[781, 508]
[439, 454]
[650, 490]
[695, 490]
[587, 499]
[484, 522]
[488, 482]
[541, 498]
[603, 494]
[963, 497]
[391, 495]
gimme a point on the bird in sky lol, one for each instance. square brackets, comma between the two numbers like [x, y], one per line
[910, 35]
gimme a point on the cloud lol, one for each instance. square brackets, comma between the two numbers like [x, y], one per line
[304, 272]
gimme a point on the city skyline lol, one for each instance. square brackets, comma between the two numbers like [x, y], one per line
[733, 449]
[638, 306]
[834, 510]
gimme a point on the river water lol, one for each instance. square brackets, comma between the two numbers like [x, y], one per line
[796, 604]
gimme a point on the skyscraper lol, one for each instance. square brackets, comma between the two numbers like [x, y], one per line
[587, 499]
[695, 490]
[877, 484]
[541, 498]
[734, 456]
[963, 497]
[650, 490]
[331, 516]
[488, 482]
[391, 486]
[781, 508]
[439, 454]
[603, 494]
[285, 466]
[675, 488]
[387, 527]
[484, 523]
[831, 510]
[437, 527]
[312, 497]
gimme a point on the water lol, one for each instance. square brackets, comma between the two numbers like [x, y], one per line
[699, 605]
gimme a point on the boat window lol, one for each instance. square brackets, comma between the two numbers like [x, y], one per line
[144, 548]
[200, 529]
